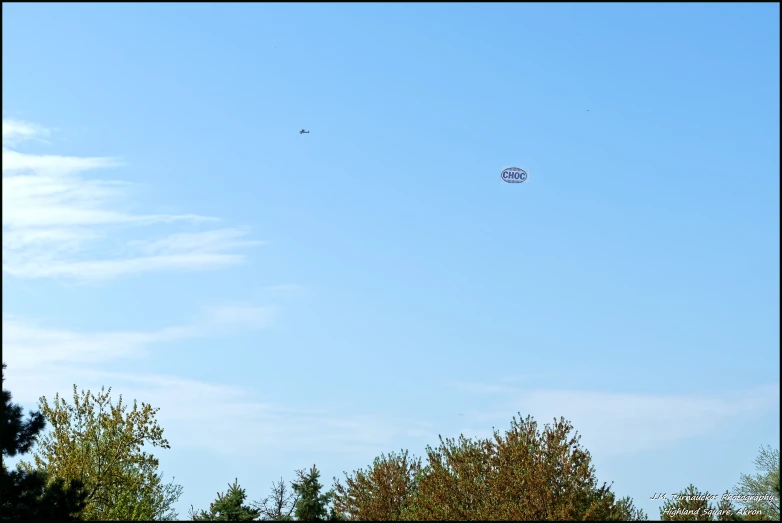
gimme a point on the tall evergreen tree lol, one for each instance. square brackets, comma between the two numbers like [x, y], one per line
[625, 510]
[28, 494]
[312, 505]
[726, 511]
[228, 507]
[689, 505]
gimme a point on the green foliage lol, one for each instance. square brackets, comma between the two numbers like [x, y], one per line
[29, 494]
[382, 493]
[141, 504]
[524, 474]
[228, 507]
[726, 511]
[688, 505]
[764, 485]
[693, 505]
[312, 505]
[19, 435]
[625, 510]
[165, 499]
[101, 445]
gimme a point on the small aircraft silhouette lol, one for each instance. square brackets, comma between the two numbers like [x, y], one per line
[304, 132]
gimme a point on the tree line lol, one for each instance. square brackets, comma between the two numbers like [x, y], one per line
[94, 465]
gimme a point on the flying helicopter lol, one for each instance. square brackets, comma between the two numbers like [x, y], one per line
[304, 132]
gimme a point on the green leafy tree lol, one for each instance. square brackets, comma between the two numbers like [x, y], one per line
[228, 507]
[164, 502]
[625, 510]
[693, 505]
[381, 493]
[312, 505]
[135, 504]
[727, 511]
[28, 494]
[525, 474]
[761, 491]
[156, 504]
[688, 505]
[101, 445]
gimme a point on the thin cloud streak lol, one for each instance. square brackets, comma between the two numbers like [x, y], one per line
[621, 424]
[15, 131]
[203, 242]
[59, 224]
[196, 414]
[18, 164]
[104, 270]
[28, 344]
[203, 416]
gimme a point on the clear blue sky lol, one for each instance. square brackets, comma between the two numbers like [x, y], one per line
[356, 289]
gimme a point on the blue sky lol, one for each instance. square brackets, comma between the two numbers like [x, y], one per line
[289, 300]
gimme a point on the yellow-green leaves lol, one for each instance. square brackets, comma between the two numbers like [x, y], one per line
[381, 493]
[523, 474]
[102, 445]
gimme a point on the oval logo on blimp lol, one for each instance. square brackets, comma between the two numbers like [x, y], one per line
[514, 175]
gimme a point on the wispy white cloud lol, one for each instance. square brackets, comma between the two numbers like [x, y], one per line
[15, 131]
[481, 388]
[57, 223]
[613, 424]
[38, 201]
[17, 164]
[285, 288]
[229, 420]
[531, 376]
[629, 423]
[504, 384]
[43, 266]
[28, 344]
[201, 242]
[196, 414]
[283, 292]
[251, 317]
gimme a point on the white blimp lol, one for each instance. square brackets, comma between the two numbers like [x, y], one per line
[513, 175]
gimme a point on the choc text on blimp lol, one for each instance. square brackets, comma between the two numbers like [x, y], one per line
[514, 175]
